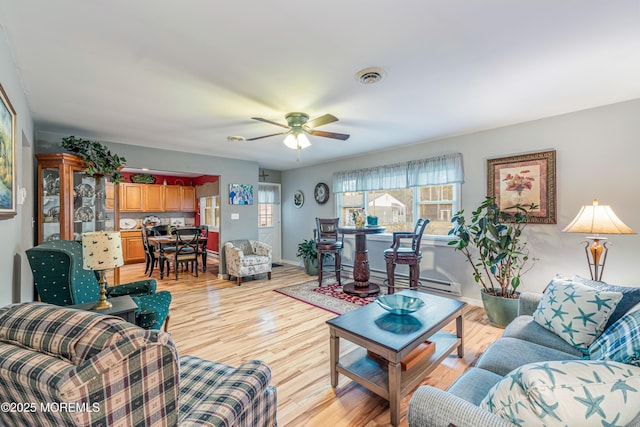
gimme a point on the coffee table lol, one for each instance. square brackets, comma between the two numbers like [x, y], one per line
[392, 337]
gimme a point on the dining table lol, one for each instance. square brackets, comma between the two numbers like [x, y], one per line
[361, 286]
[163, 242]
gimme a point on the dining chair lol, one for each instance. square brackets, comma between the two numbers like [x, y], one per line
[151, 255]
[187, 243]
[160, 230]
[328, 241]
[204, 236]
[407, 255]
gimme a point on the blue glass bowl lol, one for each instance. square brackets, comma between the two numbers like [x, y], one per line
[400, 304]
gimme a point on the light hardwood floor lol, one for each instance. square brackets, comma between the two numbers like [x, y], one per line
[217, 320]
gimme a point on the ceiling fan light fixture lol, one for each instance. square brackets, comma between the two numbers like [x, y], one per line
[303, 141]
[297, 141]
[291, 142]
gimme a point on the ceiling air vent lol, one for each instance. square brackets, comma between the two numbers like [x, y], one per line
[370, 75]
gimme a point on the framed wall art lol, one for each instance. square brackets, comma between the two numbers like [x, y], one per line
[241, 194]
[7, 157]
[525, 179]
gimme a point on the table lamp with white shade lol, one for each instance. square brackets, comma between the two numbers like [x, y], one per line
[102, 250]
[597, 219]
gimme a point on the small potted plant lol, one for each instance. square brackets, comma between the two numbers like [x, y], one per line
[492, 243]
[307, 251]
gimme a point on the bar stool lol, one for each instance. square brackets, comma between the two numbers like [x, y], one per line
[410, 256]
[327, 242]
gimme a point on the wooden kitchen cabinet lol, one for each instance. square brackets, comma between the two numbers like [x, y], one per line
[153, 198]
[136, 197]
[131, 197]
[172, 198]
[109, 200]
[188, 199]
[132, 248]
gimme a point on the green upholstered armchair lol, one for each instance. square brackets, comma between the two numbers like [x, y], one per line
[60, 279]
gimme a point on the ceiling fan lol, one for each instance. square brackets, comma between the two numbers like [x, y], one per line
[298, 125]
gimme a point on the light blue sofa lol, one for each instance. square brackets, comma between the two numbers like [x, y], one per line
[524, 341]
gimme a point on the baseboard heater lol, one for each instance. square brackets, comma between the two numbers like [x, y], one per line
[432, 285]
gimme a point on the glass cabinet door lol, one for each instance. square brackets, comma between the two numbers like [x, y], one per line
[89, 205]
[50, 208]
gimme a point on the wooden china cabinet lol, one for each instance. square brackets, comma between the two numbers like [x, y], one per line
[69, 201]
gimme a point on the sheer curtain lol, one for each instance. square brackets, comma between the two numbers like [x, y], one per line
[446, 169]
[268, 194]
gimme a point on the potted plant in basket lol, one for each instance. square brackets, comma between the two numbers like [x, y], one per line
[492, 243]
[307, 251]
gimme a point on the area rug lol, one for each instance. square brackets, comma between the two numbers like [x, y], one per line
[329, 297]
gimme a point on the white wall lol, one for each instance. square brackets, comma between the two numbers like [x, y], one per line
[596, 152]
[17, 230]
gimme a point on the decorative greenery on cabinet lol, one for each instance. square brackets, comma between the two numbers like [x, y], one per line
[97, 156]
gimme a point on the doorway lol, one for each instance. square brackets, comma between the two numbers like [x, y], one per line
[269, 213]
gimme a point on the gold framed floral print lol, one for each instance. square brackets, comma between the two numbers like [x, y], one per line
[525, 179]
[7, 157]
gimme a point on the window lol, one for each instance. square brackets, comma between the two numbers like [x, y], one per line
[209, 211]
[400, 194]
[265, 215]
[268, 197]
[395, 208]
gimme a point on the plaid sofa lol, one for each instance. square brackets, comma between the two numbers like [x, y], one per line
[65, 367]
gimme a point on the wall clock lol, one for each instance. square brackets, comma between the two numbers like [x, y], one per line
[321, 193]
[298, 199]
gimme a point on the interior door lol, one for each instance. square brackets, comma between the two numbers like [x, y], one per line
[269, 212]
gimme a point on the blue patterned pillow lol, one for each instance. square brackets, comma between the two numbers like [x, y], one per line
[575, 312]
[567, 393]
[620, 342]
[630, 296]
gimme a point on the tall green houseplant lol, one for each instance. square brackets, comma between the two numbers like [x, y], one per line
[97, 156]
[500, 257]
[492, 243]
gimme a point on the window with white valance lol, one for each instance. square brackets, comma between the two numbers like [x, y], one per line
[268, 194]
[401, 193]
[446, 169]
[268, 198]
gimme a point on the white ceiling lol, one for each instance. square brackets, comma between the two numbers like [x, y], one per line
[184, 75]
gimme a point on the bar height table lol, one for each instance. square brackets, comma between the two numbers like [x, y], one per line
[361, 285]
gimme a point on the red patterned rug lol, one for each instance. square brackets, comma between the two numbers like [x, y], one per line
[329, 297]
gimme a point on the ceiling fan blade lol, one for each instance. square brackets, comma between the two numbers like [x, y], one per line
[265, 136]
[322, 120]
[260, 119]
[342, 136]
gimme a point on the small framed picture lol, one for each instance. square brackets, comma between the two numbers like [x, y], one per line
[298, 199]
[525, 179]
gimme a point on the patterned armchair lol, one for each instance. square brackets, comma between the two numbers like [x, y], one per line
[60, 279]
[246, 258]
[77, 368]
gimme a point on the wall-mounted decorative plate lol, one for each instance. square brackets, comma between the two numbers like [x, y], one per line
[321, 193]
[298, 199]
